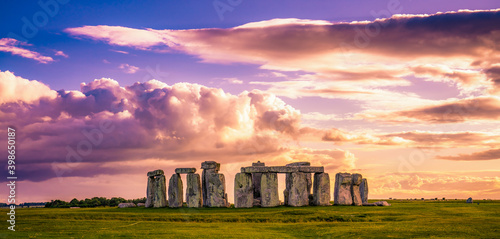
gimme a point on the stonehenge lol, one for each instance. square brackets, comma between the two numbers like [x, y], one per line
[256, 185]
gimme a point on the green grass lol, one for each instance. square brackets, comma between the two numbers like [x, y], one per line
[404, 219]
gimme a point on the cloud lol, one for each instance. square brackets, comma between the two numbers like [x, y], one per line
[128, 68]
[16, 89]
[61, 53]
[449, 47]
[233, 81]
[492, 154]
[449, 111]
[15, 47]
[105, 123]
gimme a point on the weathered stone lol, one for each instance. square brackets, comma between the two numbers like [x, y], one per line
[297, 192]
[216, 190]
[309, 182]
[243, 190]
[321, 195]
[160, 191]
[269, 190]
[175, 191]
[155, 173]
[126, 204]
[342, 192]
[356, 195]
[141, 204]
[150, 192]
[193, 190]
[363, 189]
[382, 203]
[298, 164]
[185, 170]
[211, 165]
[469, 200]
[258, 164]
[282, 169]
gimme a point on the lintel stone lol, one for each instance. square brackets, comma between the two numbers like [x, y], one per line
[185, 170]
[283, 169]
[155, 173]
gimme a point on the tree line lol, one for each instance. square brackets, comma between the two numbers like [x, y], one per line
[92, 202]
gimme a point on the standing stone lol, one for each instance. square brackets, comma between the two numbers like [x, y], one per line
[160, 191]
[175, 191]
[216, 190]
[342, 191]
[209, 168]
[193, 190]
[321, 195]
[298, 195]
[269, 190]
[256, 184]
[243, 190]
[363, 189]
[469, 200]
[356, 195]
[150, 192]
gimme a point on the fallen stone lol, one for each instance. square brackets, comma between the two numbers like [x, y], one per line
[369, 204]
[126, 204]
[175, 191]
[193, 190]
[269, 190]
[141, 204]
[356, 195]
[282, 169]
[160, 191]
[382, 203]
[243, 190]
[321, 190]
[155, 173]
[363, 189]
[298, 195]
[342, 191]
[185, 170]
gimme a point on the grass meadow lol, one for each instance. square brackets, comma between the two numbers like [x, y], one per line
[404, 219]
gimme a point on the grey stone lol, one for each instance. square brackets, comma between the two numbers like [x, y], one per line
[309, 182]
[363, 189]
[150, 192]
[269, 190]
[342, 191]
[382, 203]
[321, 191]
[155, 173]
[297, 190]
[185, 170]
[175, 191]
[193, 190]
[282, 169]
[298, 164]
[243, 190]
[356, 195]
[141, 204]
[211, 165]
[216, 190]
[469, 200]
[126, 204]
[160, 191]
[258, 164]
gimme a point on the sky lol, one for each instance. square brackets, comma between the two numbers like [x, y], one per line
[407, 93]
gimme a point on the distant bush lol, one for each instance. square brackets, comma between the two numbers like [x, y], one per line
[92, 202]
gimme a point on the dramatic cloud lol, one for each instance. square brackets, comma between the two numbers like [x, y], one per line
[79, 133]
[449, 111]
[492, 154]
[16, 48]
[448, 47]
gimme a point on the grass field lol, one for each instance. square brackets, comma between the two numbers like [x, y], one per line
[404, 219]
